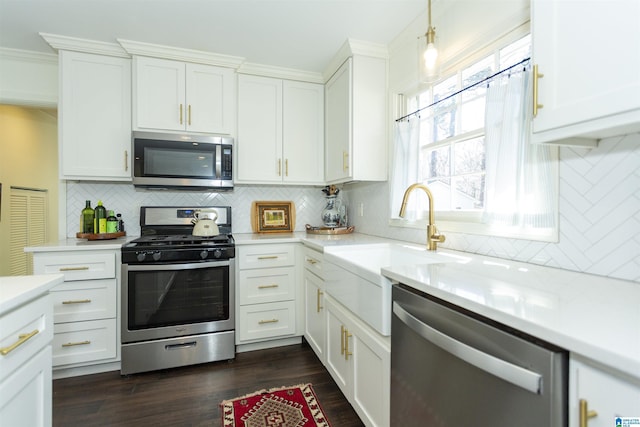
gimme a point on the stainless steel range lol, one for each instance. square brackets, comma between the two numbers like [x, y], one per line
[177, 292]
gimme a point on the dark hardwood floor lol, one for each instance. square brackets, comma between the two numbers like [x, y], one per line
[190, 396]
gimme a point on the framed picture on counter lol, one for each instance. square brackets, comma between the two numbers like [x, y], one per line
[273, 217]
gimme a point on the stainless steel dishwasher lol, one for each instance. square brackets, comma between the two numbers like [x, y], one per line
[453, 368]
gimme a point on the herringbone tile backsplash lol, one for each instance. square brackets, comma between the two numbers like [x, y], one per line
[599, 211]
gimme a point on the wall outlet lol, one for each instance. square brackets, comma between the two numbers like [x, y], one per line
[360, 209]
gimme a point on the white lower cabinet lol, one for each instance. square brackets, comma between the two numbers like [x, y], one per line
[25, 364]
[85, 309]
[598, 396]
[315, 310]
[266, 293]
[359, 360]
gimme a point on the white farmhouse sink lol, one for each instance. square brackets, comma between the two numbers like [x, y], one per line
[353, 277]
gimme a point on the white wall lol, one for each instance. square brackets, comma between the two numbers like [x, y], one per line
[599, 188]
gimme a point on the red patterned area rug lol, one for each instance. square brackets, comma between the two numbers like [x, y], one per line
[295, 406]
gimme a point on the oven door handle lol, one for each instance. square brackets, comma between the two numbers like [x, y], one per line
[521, 377]
[174, 267]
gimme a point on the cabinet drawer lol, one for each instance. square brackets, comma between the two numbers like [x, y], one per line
[267, 285]
[24, 332]
[313, 261]
[77, 266]
[266, 256]
[269, 320]
[84, 342]
[84, 300]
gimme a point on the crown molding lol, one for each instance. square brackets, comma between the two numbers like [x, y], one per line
[353, 47]
[83, 45]
[281, 73]
[179, 54]
[28, 55]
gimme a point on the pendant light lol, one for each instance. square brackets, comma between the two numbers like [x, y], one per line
[428, 53]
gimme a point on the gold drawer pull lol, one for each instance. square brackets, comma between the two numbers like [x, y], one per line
[585, 413]
[22, 338]
[268, 257]
[274, 285]
[73, 268]
[342, 339]
[312, 261]
[72, 344]
[78, 301]
[262, 322]
[347, 353]
[319, 293]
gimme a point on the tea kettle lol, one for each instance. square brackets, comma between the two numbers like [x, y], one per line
[204, 223]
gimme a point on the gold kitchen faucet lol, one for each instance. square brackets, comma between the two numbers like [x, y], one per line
[433, 237]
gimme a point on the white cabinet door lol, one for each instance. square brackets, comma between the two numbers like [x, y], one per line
[159, 94]
[338, 124]
[259, 144]
[591, 87]
[94, 117]
[315, 314]
[337, 363]
[303, 132]
[26, 395]
[609, 394]
[210, 99]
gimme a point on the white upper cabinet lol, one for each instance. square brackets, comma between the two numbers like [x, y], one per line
[280, 131]
[356, 131]
[589, 55]
[94, 117]
[178, 96]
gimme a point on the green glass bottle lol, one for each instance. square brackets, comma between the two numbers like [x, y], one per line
[86, 218]
[112, 222]
[101, 218]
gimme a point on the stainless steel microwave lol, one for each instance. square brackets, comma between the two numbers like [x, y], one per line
[164, 160]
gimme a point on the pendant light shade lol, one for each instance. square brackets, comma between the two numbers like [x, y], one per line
[428, 64]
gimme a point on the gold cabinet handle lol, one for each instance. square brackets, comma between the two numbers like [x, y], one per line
[279, 167]
[347, 353]
[189, 114]
[319, 294]
[268, 257]
[536, 76]
[126, 160]
[345, 161]
[312, 261]
[22, 338]
[273, 285]
[73, 268]
[286, 167]
[180, 113]
[585, 413]
[78, 301]
[262, 322]
[73, 344]
[342, 339]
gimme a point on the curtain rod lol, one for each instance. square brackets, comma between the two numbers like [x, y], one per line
[463, 89]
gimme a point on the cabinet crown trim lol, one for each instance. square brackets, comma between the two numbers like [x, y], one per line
[280, 73]
[353, 47]
[180, 54]
[83, 45]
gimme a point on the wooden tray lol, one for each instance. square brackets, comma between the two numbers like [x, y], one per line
[329, 230]
[101, 236]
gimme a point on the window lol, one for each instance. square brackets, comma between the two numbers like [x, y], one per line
[451, 144]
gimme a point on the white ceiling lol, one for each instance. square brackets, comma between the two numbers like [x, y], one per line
[298, 34]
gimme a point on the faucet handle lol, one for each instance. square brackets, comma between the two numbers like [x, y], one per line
[438, 237]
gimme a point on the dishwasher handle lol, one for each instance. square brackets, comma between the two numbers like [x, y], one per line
[521, 377]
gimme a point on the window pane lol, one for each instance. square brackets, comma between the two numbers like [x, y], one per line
[515, 52]
[472, 115]
[475, 73]
[469, 192]
[435, 163]
[469, 156]
[441, 191]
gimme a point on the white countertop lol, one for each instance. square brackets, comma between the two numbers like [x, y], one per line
[596, 317]
[17, 290]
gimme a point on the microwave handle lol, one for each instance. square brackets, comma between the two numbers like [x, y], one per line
[218, 161]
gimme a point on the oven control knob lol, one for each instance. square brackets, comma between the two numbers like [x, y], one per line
[204, 254]
[217, 253]
[156, 256]
[141, 256]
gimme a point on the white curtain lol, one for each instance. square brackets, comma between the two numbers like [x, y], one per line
[520, 183]
[405, 162]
